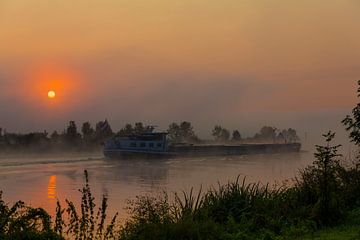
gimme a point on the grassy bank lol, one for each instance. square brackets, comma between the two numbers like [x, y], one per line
[348, 229]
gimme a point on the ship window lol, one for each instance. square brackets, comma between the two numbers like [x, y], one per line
[159, 145]
[151, 145]
[142, 144]
[133, 144]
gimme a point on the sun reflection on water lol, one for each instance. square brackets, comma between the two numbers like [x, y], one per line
[52, 187]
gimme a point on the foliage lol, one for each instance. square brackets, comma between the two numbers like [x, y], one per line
[267, 134]
[220, 134]
[103, 131]
[71, 135]
[22, 222]
[348, 229]
[288, 136]
[352, 123]
[86, 224]
[88, 133]
[236, 136]
[320, 183]
[183, 132]
[138, 128]
[235, 210]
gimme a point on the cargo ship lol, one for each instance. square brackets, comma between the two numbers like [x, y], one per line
[156, 145]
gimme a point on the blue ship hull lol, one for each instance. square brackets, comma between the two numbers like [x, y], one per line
[204, 150]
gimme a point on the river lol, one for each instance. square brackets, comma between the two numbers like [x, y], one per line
[39, 181]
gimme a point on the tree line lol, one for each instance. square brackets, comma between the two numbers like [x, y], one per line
[90, 137]
[87, 137]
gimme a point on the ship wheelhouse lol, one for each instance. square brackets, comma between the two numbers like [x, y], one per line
[147, 142]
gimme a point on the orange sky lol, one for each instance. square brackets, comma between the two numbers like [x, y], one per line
[229, 61]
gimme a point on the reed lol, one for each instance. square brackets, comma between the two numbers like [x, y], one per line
[85, 224]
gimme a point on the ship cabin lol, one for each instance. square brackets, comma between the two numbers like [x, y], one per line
[147, 142]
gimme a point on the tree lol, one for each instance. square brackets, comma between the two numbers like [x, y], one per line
[87, 132]
[126, 130]
[236, 136]
[183, 132]
[174, 132]
[281, 137]
[71, 134]
[267, 134]
[103, 131]
[220, 133]
[352, 123]
[324, 176]
[288, 136]
[55, 137]
[138, 128]
[292, 135]
[187, 131]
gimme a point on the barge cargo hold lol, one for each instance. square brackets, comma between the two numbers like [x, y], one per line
[155, 145]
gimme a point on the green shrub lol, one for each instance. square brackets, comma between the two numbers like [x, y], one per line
[22, 222]
[319, 186]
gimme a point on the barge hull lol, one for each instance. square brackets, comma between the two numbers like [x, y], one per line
[244, 149]
[206, 150]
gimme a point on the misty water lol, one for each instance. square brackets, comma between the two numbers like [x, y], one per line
[39, 181]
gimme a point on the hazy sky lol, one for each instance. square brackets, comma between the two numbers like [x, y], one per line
[241, 63]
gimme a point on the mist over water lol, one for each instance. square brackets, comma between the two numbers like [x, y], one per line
[39, 181]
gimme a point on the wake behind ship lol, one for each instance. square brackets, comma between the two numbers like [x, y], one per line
[156, 145]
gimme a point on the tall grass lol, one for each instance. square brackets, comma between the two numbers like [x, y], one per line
[234, 209]
[85, 224]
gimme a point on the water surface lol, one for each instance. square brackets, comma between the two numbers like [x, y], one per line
[39, 181]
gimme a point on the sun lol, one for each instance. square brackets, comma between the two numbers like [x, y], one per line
[51, 94]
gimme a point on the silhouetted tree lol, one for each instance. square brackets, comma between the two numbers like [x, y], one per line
[267, 134]
[187, 131]
[55, 137]
[281, 137]
[87, 132]
[138, 128]
[287, 136]
[71, 135]
[126, 130]
[181, 132]
[174, 132]
[236, 136]
[352, 123]
[292, 135]
[103, 131]
[220, 133]
[321, 179]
